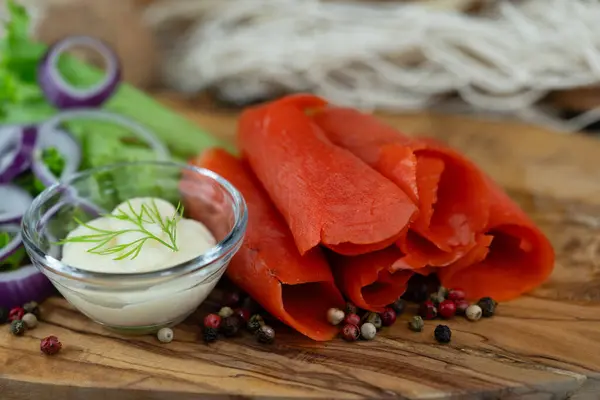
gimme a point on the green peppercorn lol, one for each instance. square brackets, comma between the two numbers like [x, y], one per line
[373, 318]
[488, 306]
[398, 306]
[255, 322]
[416, 324]
[436, 298]
[443, 292]
[210, 334]
[30, 320]
[230, 326]
[32, 308]
[225, 312]
[17, 327]
[265, 334]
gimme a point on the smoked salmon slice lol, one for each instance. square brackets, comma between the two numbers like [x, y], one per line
[366, 279]
[296, 289]
[326, 194]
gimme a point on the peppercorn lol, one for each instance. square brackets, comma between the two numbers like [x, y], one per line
[398, 306]
[210, 334]
[50, 345]
[33, 308]
[350, 308]
[350, 333]
[488, 306]
[461, 306]
[242, 314]
[388, 317]
[442, 334]
[255, 322]
[447, 309]
[230, 326]
[335, 316]
[352, 319]
[252, 306]
[265, 334]
[427, 310]
[473, 313]
[456, 294]
[416, 324]
[436, 298]
[212, 321]
[16, 314]
[17, 327]
[30, 320]
[443, 292]
[373, 318]
[225, 312]
[165, 335]
[3, 315]
[231, 299]
[368, 331]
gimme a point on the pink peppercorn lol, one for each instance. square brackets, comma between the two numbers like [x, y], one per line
[427, 310]
[242, 314]
[350, 332]
[461, 306]
[50, 345]
[447, 309]
[16, 314]
[456, 294]
[352, 319]
[388, 317]
[212, 321]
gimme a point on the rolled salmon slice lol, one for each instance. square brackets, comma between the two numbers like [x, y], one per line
[326, 194]
[298, 290]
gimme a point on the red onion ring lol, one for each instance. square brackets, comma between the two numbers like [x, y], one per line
[23, 285]
[16, 146]
[14, 201]
[62, 94]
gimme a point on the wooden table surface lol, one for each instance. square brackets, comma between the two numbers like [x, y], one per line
[543, 346]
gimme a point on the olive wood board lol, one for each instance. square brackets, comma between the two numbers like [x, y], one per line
[545, 345]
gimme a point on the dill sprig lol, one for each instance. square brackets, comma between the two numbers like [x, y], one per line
[146, 215]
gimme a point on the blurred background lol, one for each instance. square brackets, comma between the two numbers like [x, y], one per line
[533, 60]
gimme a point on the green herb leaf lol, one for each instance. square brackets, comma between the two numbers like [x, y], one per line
[15, 260]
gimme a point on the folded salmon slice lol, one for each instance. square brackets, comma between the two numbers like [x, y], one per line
[326, 194]
[366, 279]
[298, 290]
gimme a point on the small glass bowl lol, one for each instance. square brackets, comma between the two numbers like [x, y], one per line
[136, 303]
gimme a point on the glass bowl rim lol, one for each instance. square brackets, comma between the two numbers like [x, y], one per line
[205, 260]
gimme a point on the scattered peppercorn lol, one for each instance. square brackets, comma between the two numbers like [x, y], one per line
[436, 298]
[350, 333]
[388, 317]
[398, 306]
[265, 334]
[456, 294]
[225, 312]
[350, 308]
[373, 318]
[3, 315]
[488, 306]
[368, 331]
[442, 334]
[242, 314]
[210, 334]
[33, 308]
[473, 313]
[231, 299]
[17, 327]
[427, 310]
[461, 306]
[416, 324]
[230, 326]
[335, 316]
[50, 345]
[165, 335]
[352, 319]
[16, 314]
[255, 322]
[447, 309]
[443, 292]
[212, 321]
[30, 320]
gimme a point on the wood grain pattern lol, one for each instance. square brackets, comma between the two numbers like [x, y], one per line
[542, 346]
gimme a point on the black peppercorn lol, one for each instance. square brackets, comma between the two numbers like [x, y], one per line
[442, 334]
[398, 306]
[488, 306]
[3, 315]
[210, 334]
[17, 327]
[32, 308]
[265, 334]
[230, 326]
[255, 322]
[350, 309]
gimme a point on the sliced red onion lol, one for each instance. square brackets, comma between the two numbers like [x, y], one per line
[64, 95]
[16, 146]
[14, 201]
[23, 285]
[66, 145]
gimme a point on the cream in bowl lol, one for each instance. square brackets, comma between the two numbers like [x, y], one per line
[125, 254]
